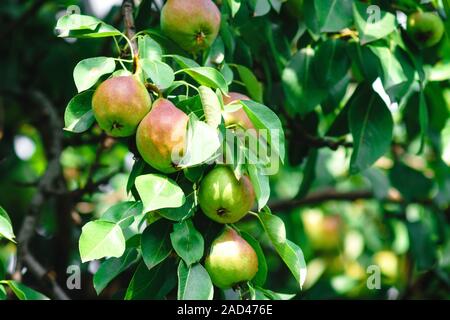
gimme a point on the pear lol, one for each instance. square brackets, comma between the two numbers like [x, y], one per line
[192, 24]
[425, 28]
[119, 104]
[231, 260]
[238, 117]
[161, 136]
[223, 198]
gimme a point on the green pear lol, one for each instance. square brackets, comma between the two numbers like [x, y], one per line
[425, 28]
[192, 24]
[231, 260]
[119, 104]
[223, 198]
[238, 117]
[161, 136]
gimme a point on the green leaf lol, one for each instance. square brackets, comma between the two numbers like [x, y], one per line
[101, 239]
[289, 252]
[88, 71]
[23, 292]
[418, 186]
[309, 174]
[211, 106]
[159, 72]
[149, 49]
[372, 23]
[194, 283]
[261, 185]
[423, 247]
[423, 120]
[334, 15]
[276, 295]
[331, 63]
[187, 242]
[183, 62]
[2, 293]
[158, 191]
[371, 126]
[78, 116]
[303, 92]
[6, 230]
[208, 77]
[155, 243]
[395, 72]
[123, 213]
[202, 142]
[152, 284]
[261, 7]
[379, 181]
[138, 168]
[264, 118]
[180, 213]
[253, 86]
[311, 20]
[83, 26]
[261, 275]
[234, 6]
[112, 267]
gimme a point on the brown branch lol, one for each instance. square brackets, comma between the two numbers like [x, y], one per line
[333, 195]
[47, 182]
[78, 193]
[130, 29]
[319, 142]
[314, 141]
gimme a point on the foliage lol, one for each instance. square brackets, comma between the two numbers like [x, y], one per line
[357, 120]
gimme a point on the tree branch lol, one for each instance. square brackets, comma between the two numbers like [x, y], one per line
[46, 183]
[130, 29]
[314, 141]
[333, 195]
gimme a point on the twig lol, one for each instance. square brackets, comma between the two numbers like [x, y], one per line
[130, 29]
[331, 194]
[49, 178]
[318, 142]
[78, 193]
[314, 141]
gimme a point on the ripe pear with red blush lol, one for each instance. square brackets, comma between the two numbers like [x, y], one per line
[192, 24]
[238, 117]
[161, 136]
[231, 260]
[119, 104]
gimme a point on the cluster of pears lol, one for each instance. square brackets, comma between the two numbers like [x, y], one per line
[123, 107]
[425, 28]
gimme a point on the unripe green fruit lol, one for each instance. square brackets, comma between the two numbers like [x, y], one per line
[231, 260]
[425, 28]
[223, 198]
[238, 117]
[161, 135]
[192, 24]
[119, 104]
